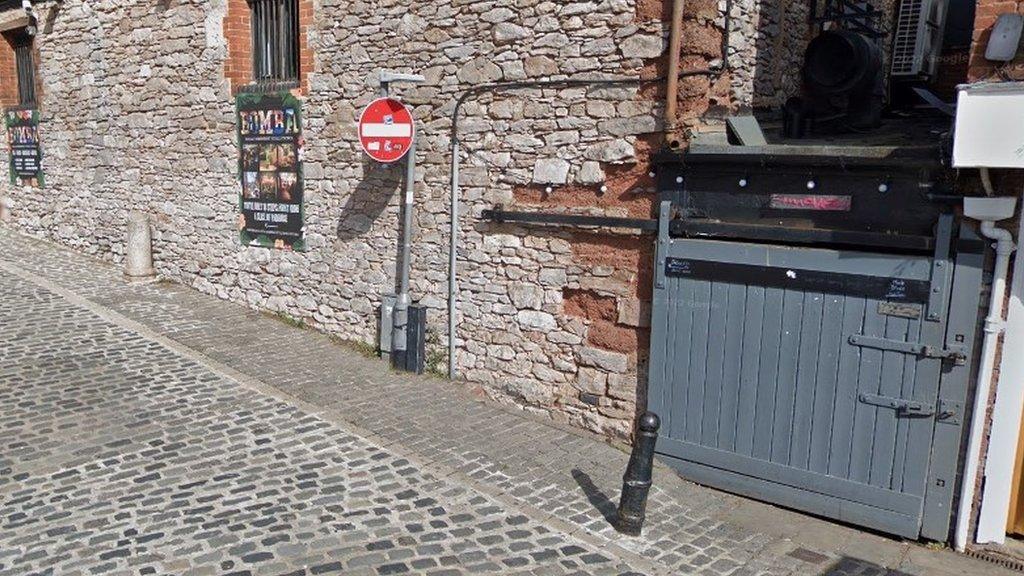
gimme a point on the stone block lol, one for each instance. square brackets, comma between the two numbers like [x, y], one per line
[551, 171]
[604, 359]
[634, 312]
[642, 46]
[590, 173]
[591, 381]
[611, 152]
[536, 320]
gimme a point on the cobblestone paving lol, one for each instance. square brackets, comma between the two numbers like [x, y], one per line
[121, 456]
[548, 472]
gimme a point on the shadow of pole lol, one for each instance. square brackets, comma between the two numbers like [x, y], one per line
[598, 499]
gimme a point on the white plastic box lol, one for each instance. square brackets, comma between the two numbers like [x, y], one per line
[989, 126]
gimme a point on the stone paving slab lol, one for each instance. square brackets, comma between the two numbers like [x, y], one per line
[560, 477]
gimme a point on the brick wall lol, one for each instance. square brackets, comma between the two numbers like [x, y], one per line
[238, 38]
[8, 74]
[985, 17]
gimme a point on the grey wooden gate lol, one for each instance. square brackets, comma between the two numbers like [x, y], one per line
[811, 377]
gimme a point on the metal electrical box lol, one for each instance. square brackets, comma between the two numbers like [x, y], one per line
[989, 132]
[387, 311]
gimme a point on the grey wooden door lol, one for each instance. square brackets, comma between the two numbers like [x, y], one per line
[802, 376]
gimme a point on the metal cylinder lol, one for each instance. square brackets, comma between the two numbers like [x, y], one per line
[675, 42]
[400, 318]
[139, 247]
[636, 482]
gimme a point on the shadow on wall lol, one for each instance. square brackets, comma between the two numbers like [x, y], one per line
[370, 198]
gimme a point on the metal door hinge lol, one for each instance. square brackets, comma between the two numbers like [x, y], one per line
[954, 354]
[902, 406]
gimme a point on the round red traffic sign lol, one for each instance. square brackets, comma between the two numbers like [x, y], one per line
[386, 130]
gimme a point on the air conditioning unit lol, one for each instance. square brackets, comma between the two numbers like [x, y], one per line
[917, 42]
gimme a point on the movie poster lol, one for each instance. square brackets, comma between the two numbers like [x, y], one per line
[270, 164]
[23, 146]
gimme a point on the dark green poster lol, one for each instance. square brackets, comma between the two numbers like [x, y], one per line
[270, 164]
[23, 145]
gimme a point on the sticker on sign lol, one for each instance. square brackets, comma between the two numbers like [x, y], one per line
[386, 130]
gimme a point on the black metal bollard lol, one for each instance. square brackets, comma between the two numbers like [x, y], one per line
[636, 482]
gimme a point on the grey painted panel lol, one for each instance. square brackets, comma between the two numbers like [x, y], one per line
[735, 325]
[845, 262]
[806, 381]
[846, 390]
[891, 385]
[903, 425]
[826, 377]
[868, 382]
[679, 359]
[717, 329]
[753, 318]
[659, 384]
[697, 376]
[785, 389]
[765, 385]
[802, 479]
[767, 378]
[945, 445]
[814, 502]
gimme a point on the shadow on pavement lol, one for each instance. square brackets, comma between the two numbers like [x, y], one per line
[605, 505]
[848, 566]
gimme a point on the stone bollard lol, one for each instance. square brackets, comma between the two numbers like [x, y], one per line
[636, 482]
[139, 248]
[5, 210]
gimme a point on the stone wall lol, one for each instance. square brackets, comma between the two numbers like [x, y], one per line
[138, 114]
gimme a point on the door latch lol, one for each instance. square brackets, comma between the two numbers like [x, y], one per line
[904, 407]
[954, 354]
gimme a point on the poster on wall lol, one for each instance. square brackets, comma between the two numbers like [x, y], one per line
[26, 155]
[270, 165]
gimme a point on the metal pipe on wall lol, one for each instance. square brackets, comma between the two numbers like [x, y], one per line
[675, 42]
[1004, 248]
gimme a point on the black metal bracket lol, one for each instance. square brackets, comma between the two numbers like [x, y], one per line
[902, 406]
[500, 215]
[857, 18]
[954, 354]
[697, 228]
[693, 227]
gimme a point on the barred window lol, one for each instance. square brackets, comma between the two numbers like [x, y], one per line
[275, 41]
[26, 69]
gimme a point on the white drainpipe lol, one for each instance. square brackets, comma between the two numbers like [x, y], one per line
[988, 210]
[1006, 416]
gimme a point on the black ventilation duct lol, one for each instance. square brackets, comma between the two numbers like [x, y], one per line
[843, 72]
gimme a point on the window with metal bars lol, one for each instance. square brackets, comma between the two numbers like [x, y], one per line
[25, 66]
[275, 41]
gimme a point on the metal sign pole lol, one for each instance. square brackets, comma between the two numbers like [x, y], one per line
[400, 316]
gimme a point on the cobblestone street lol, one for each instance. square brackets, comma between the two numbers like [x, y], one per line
[149, 429]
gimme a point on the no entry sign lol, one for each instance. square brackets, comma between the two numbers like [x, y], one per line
[386, 130]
